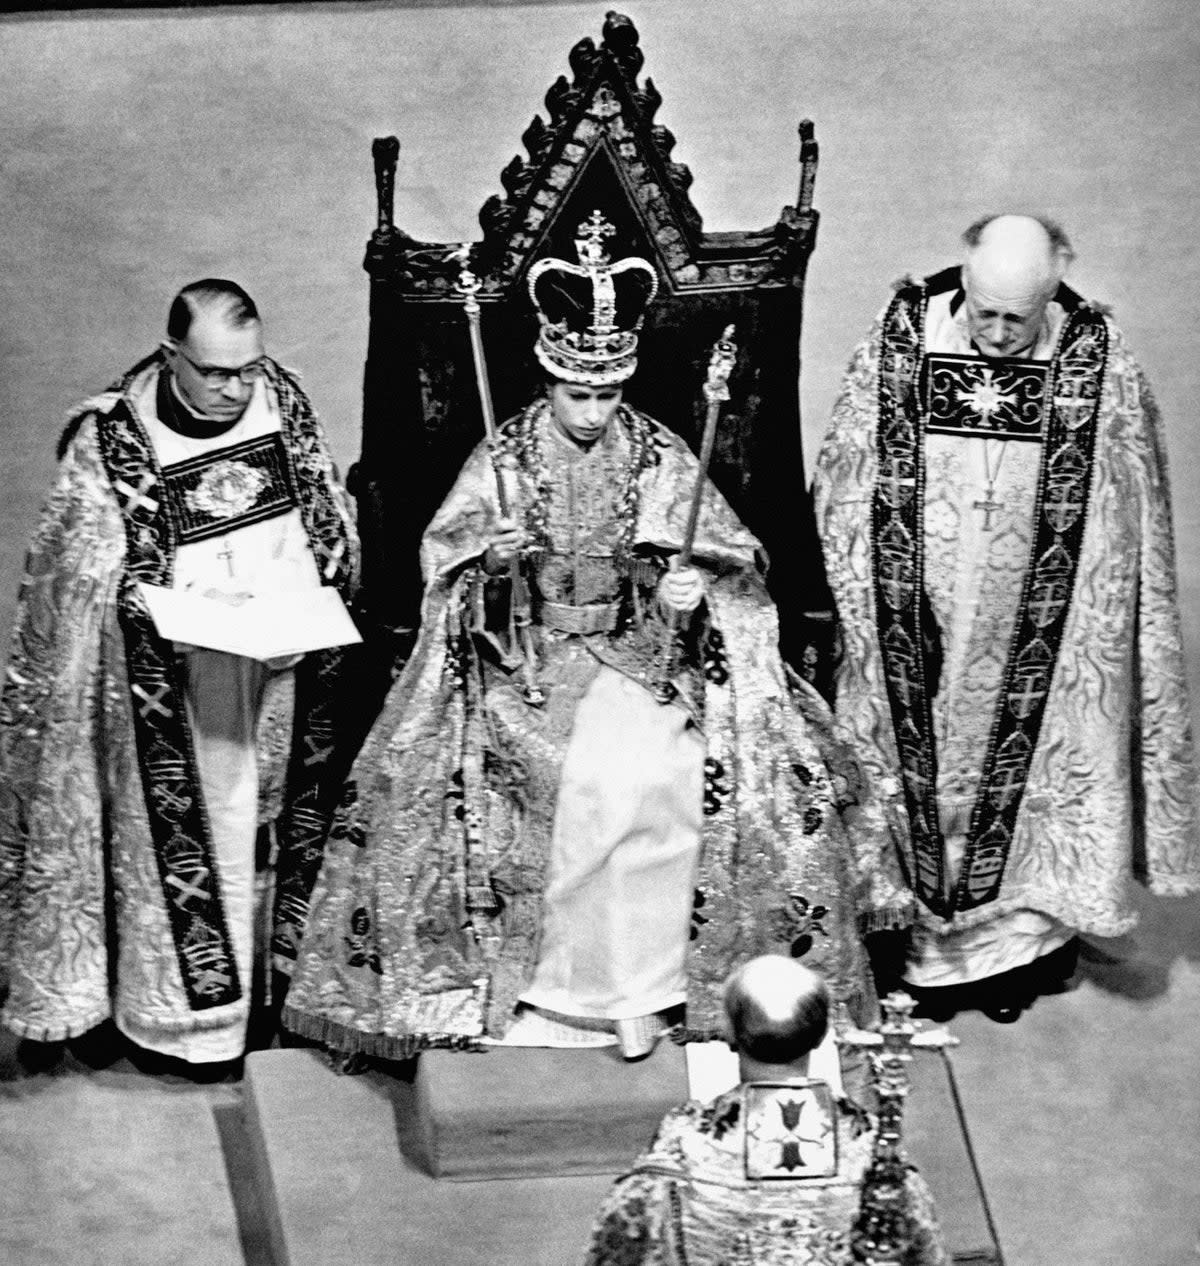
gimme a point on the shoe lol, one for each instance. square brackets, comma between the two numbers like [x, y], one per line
[39, 1057]
[1053, 972]
[1004, 1012]
[938, 1005]
[172, 1068]
[1006, 997]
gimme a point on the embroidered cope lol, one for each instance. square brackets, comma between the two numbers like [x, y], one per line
[687, 1201]
[130, 789]
[1043, 749]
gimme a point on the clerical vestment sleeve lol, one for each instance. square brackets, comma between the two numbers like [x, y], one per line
[51, 792]
[843, 483]
[1163, 728]
[627, 1231]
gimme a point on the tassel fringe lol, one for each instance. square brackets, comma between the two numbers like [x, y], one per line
[348, 1040]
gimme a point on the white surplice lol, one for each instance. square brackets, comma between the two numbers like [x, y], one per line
[974, 572]
[224, 695]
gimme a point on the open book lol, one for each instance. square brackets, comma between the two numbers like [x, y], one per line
[260, 626]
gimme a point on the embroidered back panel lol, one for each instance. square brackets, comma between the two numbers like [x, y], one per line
[1003, 403]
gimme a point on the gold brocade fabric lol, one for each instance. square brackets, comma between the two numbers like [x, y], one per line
[1111, 789]
[687, 1201]
[460, 772]
[84, 927]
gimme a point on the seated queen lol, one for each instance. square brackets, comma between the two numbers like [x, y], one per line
[594, 787]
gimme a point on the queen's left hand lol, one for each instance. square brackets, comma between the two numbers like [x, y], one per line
[681, 591]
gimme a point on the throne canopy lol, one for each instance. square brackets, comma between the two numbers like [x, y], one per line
[598, 148]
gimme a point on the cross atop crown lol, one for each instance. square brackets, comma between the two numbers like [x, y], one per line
[590, 238]
[591, 311]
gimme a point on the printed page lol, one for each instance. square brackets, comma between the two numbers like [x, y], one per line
[259, 626]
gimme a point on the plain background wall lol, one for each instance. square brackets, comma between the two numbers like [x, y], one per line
[139, 150]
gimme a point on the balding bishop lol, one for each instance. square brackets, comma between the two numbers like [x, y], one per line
[993, 502]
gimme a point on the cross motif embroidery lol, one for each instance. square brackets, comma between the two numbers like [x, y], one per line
[318, 751]
[1026, 693]
[1064, 502]
[1046, 605]
[900, 674]
[986, 397]
[153, 702]
[189, 891]
[332, 556]
[898, 483]
[1007, 782]
[136, 498]
[896, 581]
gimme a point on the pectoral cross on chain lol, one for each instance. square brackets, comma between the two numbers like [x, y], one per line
[988, 506]
[227, 554]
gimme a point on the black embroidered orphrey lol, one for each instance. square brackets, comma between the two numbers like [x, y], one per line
[178, 821]
[1067, 425]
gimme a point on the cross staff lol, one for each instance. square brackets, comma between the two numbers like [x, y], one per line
[716, 392]
[882, 1233]
[468, 286]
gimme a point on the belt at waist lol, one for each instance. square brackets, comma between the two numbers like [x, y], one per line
[595, 617]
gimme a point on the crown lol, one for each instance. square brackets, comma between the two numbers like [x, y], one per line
[590, 312]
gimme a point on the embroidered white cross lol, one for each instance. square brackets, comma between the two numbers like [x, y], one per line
[137, 498]
[334, 557]
[153, 702]
[987, 397]
[189, 890]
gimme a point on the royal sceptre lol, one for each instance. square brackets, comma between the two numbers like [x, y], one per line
[716, 392]
[468, 286]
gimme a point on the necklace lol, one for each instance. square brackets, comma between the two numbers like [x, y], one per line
[989, 505]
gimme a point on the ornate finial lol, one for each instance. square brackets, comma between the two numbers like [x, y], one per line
[590, 238]
[809, 152]
[720, 366]
[386, 151]
[467, 285]
[883, 1231]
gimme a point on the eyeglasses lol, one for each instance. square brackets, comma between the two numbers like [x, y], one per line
[216, 376]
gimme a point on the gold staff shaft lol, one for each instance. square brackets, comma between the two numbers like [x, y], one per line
[519, 603]
[716, 392]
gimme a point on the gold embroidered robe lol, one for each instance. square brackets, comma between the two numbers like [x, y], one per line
[1110, 789]
[109, 893]
[457, 787]
[688, 1202]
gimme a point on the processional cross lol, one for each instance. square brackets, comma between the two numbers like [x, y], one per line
[883, 1231]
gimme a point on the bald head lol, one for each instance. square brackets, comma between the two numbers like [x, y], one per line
[778, 1010]
[1011, 270]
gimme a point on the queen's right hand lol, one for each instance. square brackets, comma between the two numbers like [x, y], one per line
[505, 544]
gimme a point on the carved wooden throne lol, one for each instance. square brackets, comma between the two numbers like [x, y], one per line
[600, 148]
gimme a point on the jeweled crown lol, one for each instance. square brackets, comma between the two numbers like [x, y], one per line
[590, 312]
